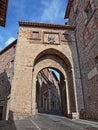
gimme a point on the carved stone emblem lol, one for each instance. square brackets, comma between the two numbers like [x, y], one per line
[51, 38]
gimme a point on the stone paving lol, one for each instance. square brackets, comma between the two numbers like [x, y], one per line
[48, 122]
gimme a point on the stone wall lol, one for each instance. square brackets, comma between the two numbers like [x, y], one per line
[40, 46]
[87, 43]
[7, 57]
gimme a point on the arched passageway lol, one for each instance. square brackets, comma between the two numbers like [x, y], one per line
[53, 97]
[51, 92]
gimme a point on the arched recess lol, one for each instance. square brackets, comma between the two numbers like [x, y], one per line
[52, 58]
[55, 53]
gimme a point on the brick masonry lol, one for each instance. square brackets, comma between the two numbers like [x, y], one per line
[87, 43]
[6, 75]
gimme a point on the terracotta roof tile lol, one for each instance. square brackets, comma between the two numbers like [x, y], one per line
[46, 25]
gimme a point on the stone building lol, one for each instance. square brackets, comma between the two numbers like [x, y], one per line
[83, 14]
[7, 57]
[39, 46]
[70, 49]
[3, 12]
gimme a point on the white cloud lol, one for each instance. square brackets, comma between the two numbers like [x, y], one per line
[10, 40]
[52, 10]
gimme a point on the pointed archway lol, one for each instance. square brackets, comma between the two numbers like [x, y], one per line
[51, 92]
[52, 58]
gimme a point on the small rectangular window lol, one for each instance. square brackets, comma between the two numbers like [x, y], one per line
[12, 64]
[64, 37]
[1, 112]
[96, 60]
[14, 49]
[89, 10]
[35, 35]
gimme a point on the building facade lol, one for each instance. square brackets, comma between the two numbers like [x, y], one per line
[70, 49]
[83, 14]
[39, 46]
[7, 57]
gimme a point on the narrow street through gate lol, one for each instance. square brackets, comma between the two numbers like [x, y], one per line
[48, 122]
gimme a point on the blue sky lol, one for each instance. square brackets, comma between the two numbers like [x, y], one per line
[56, 73]
[48, 11]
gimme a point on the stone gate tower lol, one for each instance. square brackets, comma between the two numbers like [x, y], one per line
[41, 45]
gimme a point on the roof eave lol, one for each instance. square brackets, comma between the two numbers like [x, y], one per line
[45, 25]
[69, 5]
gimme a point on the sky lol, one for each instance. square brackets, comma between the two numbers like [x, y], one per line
[45, 11]
[56, 73]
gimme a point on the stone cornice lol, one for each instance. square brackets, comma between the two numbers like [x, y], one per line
[70, 2]
[46, 25]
